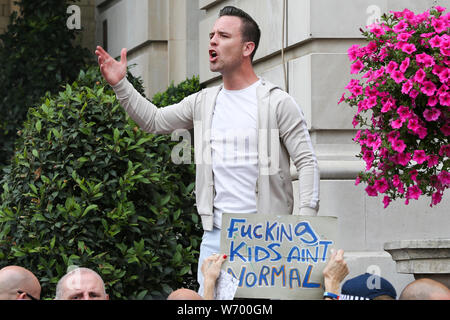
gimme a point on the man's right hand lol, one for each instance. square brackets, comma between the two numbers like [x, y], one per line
[113, 71]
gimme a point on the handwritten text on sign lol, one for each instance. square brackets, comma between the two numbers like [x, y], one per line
[275, 257]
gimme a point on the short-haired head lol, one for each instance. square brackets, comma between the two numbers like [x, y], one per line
[250, 29]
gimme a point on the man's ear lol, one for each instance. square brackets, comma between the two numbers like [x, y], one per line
[21, 296]
[249, 47]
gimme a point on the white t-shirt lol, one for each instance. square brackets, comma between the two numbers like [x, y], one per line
[235, 151]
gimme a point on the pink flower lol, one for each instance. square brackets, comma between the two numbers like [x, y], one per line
[392, 136]
[342, 98]
[397, 123]
[431, 114]
[432, 101]
[413, 124]
[400, 27]
[409, 48]
[444, 99]
[439, 25]
[437, 69]
[387, 105]
[432, 160]
[391, 67]
[420, 156]
[444, 178]
[413, 93]
[419, 76]
[403, 37]
[398, 145]
[407, 86]
[368, 157]
[444, 75]
[379, 73]
[440, 9]
[445, 129]
[398, 76]
[356, 67]
[371, 191]
[436, 41]
[404, 65]
[421, 132]
[413, 192]
[386, 201]
[404, 112]
[396, 181]
[383, 54]
[357, 90]
[377, 30]
[442, 90]
[429, 88]
[445, 150]
[436, 198]
[357, 181]
[425, 60]
[353, 52]
[381, 185]
[413, 174]
[403, 158]
[371, 102]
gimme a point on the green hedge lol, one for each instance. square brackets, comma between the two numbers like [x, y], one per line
[38, 53]
[86, 187]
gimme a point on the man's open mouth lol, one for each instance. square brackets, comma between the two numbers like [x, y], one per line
[212, 54]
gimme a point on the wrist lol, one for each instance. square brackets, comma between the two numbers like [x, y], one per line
[332, 286]
[330, 296]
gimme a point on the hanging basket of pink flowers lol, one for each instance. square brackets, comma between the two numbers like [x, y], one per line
[402, 100]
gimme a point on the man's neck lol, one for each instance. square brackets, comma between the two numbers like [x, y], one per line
[239, 79]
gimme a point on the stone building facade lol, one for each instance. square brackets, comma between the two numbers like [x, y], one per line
[168, 41]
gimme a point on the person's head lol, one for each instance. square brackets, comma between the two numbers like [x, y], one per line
[233, 40]
[184, 294]
[17, 283]
[368, 287]
[425, 289]
[81, 284]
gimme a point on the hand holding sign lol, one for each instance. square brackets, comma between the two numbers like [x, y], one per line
[335, 271]
[211, 270]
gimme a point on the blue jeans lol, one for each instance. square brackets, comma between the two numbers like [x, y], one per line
[210, 245]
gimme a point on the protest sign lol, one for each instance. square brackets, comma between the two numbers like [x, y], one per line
[277, 257]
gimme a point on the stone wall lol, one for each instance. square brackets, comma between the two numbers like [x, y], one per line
[317, 36]
[161, 37]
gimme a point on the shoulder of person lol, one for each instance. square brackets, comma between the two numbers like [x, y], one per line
[274, 90]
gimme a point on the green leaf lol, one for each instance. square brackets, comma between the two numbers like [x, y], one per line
[89, 208]
[52, 242]
[39, 126]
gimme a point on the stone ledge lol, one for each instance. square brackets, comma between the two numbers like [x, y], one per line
[335, 169]
[424, 258]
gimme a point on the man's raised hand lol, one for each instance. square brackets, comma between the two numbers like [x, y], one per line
[112, 70]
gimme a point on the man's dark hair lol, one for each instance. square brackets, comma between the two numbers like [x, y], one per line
[250, 29]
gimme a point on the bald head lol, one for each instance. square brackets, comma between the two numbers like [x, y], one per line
[425, 289]
[18, 283]
[81, 284]
[184, 294]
